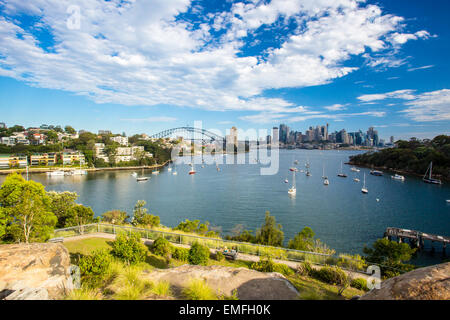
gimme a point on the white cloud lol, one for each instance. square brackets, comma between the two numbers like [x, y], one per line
[420, 68]
[399, 94]
[336, 107]
[138, 53]
[430, 106]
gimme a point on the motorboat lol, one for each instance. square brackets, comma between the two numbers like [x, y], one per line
[354, 169]
[398, 177]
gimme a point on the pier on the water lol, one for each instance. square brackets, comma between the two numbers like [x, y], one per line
[416, 238]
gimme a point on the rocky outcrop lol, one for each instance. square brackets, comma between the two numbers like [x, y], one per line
[429, 283]
[249, 284]
[35, 271]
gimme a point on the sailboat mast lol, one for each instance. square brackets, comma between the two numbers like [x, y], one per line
[431, 169]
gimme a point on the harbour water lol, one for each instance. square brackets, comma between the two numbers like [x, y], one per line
[340, 215]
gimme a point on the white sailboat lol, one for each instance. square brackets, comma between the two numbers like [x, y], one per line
[326, 182]
[341, 174]
[142, 178]
[79, 171]
[429, 179]
[293, 189]
[364, 189]
[323, 173]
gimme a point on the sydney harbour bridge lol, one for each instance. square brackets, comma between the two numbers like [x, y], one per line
[191, 133]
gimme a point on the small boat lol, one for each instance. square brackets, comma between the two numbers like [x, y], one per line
[354, 169]
[308, 174]
[192, 171]
[448, 201]
[364, 189]
[293, 190]
[429, 179]
[57, 173]
[341, 174]
[398, 177]
[356, 179]
[378, 200]
[286, 180]
[141, 179]
[296, 162]
[293, 169]
[323, 173]
[326, 182]
[169, 169]
[174, 173]
[134, 174]
[155, 172]
[79, 172]
[376, 173]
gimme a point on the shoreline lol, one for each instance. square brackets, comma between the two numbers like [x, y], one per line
[391, 170]
[45, 170]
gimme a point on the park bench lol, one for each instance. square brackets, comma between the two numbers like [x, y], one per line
[230, 254]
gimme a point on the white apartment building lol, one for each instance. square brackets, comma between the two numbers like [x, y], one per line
[100, 151]
[120, 140]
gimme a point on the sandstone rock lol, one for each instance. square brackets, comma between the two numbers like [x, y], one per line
[34, 271]
[249, 284]
[429, 283]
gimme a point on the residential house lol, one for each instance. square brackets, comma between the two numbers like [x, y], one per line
[44, 159]
[121, 140]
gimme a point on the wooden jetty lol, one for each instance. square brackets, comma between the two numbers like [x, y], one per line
[415, 237]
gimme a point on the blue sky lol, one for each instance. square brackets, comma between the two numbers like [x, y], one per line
[145, 66]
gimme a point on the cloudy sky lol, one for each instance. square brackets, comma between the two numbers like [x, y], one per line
[144, 66]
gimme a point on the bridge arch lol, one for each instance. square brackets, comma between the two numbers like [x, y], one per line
[202, 132]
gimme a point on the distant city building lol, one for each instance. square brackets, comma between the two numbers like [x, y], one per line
[104, 132]
[232, 138]
[2, 125]
[275, 135]
[391, 140]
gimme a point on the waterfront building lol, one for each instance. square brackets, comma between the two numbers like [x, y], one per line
[284, 133]
[12, 161]
[44, 159]
[125, 154]
[72, 157]
[100, 152]
[275, 135]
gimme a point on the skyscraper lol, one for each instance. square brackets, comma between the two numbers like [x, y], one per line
[275, 135]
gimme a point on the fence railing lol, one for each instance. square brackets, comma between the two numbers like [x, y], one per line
[341, 260]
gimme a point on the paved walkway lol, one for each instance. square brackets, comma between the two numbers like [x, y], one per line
[241, 256]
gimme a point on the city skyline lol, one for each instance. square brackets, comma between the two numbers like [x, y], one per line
[252, 65]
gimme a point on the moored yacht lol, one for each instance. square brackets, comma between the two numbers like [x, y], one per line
[429, 179]
[398, 177]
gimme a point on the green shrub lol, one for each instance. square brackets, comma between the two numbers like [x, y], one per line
[95, 264]
[161, 247]
[129, 248]
[331, 275]
[198, 289]
[181, 254]
[198, 254]
[283, 269]
[265, 264]
[305, 269]
[219, 256]
[359, 283]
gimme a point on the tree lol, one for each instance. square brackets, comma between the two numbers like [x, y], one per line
[270, 233]
[26, 206]
[2, 222]
[52, 136]
[304, 240]
[80, 215]
[69, 130]
[115, 217]
[129, 248]
[390, 255]
[142, 217]
[61, 203]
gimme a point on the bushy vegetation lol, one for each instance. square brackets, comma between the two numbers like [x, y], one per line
[305, 241]
[391, 256]
[141, 217]
[266, 264]
[198, 254]
[95, 264]
[196, 227]
[181, 254]
[219, 256]
[115, 217]
[161, 247]
[331, 274]
[360, 284]
[198, 289]
[129, 248]
[412, 156]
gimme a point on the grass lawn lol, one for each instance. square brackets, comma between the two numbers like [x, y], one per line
[312, 289]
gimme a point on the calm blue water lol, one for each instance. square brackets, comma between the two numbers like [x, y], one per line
[340, 214]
